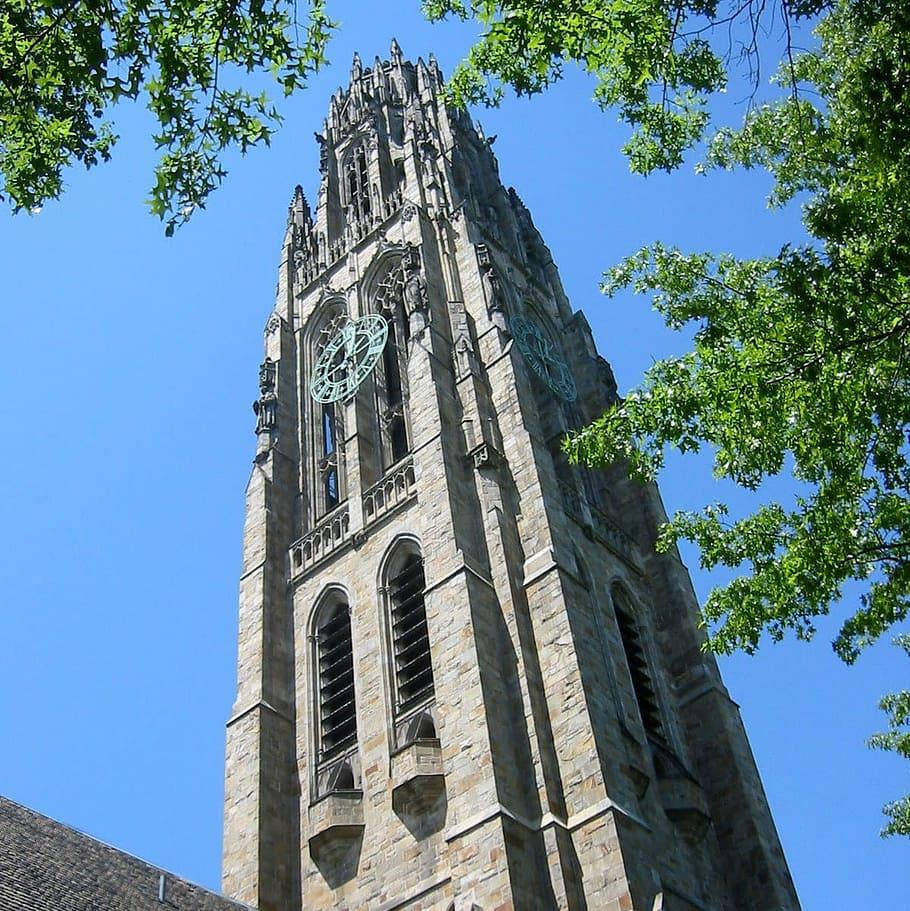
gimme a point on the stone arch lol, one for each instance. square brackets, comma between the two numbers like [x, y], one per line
[333, 703]
[633, 636]
[384, 294]
[410, 670]
[323, 430]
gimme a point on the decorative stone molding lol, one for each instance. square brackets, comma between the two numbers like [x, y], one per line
[485, 456]
[418, 780]
[337, 817]
[328, 535]
[394, 488]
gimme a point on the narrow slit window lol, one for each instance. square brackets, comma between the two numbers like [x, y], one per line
[329, 446]
[358, 182]
[337, 710]
[639, 671]
[396, 445]
[410, 637]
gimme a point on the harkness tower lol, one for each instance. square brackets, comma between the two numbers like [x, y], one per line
[466, 680]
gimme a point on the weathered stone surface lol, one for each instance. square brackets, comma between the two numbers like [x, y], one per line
[533, 779]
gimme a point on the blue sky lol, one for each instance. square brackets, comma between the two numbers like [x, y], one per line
[129, 365]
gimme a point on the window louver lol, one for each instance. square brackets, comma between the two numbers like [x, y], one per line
[336, 682]
[413, 670]
[640, 673]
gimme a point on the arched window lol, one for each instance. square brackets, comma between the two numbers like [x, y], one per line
[411, 666]
[358, 184]
[325, 438]
[639, 667]
[391, 375]
[337, 721]
[410, 637]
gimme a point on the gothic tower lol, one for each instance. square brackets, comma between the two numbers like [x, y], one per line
[466, 680]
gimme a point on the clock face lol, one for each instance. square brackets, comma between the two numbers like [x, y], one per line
[544, 358]
[347, 358]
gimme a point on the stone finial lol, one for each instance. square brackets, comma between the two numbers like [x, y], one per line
[395, 53]
[299, 210]
[356, 67]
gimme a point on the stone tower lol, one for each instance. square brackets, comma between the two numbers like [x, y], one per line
[465, 678]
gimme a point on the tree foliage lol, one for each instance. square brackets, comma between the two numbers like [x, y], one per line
[799, 360]
[896, 740]
[63, 65]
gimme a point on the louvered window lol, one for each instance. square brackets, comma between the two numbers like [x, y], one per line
[410, 639]
[639, 670]
[337, 715]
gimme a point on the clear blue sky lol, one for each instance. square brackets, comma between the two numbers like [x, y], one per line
[129, 365]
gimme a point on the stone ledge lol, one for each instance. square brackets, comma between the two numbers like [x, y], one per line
[684, 803]
[417, 776]
[336, 817]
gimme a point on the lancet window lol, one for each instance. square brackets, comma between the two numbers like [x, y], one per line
[326, 431]
[639, 666]
[409, 645]
[391, 379]
[335, 679]
[358, 182]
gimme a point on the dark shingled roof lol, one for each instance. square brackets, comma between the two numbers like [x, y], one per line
[47, 866]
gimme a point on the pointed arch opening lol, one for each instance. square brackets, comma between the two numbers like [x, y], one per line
[324, 431]
[392, 393]
[408, 638]
[337, 711]
[639, 666]
[357, 182]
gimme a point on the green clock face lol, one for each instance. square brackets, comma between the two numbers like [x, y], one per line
[348, 357]
[544, 358]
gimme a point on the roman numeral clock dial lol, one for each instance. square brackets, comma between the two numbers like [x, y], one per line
[544, 357]
[347, 359]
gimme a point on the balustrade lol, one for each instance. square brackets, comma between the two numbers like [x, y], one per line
[395, 487]
[327, 535]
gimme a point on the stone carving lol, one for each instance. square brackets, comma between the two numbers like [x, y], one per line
[414, 292]
[492, 287]
[266, 407]
[273, 325]
[323, 153]
[485, 456]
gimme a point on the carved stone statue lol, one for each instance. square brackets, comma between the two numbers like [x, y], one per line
[323, 153]
[414, 291]
[267, 376]
[266, 408]
[492, 287]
